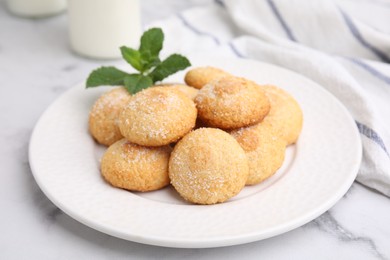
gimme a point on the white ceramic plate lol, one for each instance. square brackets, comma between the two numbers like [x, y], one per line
[317, 172]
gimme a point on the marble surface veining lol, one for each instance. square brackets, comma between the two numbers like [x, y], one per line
[37, 66]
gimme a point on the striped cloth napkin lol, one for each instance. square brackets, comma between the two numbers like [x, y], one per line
[342, 45]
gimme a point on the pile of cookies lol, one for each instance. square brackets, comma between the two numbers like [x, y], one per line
[208, 138]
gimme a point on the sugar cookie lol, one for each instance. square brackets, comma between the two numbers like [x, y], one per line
[208, 166]
[187, 90]
[264, 148]
[200, 76]
[285, 115]
[103, 118]
[133, 167]
[157, 116]
[231, 102]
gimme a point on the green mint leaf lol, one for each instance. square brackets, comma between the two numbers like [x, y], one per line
[137, 82]
[169, 66]
[151, 44]
[146, 60]
[104, 76]
[133, 57]
[146, 65]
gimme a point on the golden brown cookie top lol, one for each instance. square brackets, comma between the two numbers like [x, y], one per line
[187, 90]
[157, 116]
[247, 137]
[231, 102]
[200, 76]
[133, 167]
[264, 148]
[103, 117]
[208, 166]
[285, 115]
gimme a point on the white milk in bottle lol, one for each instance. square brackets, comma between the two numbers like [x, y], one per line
[97, 28]
[36, 8]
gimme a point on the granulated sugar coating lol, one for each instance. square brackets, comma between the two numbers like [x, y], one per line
[208, 166]
[231, 102]
[198, 77]
[134, 167]
[103, 118]
[187, 90]
[157, 116]
[264, 148]
[285, 116]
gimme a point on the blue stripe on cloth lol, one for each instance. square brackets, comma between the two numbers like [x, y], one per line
[371, 134]
[283, 23]
[235, 51]
[355, 32]
[197, 31]
[371, 70]
[220, 3]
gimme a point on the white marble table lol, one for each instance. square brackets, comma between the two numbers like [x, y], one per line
[36, 66]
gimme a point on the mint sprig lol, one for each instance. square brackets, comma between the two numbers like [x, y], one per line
[106, 76]
[145, 60]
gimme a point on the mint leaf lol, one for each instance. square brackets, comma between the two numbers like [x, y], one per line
[137, 82]
[106, 76]
[146, 65]
[151, 44]
[146, 60]
[133, 57]
[169, 66]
